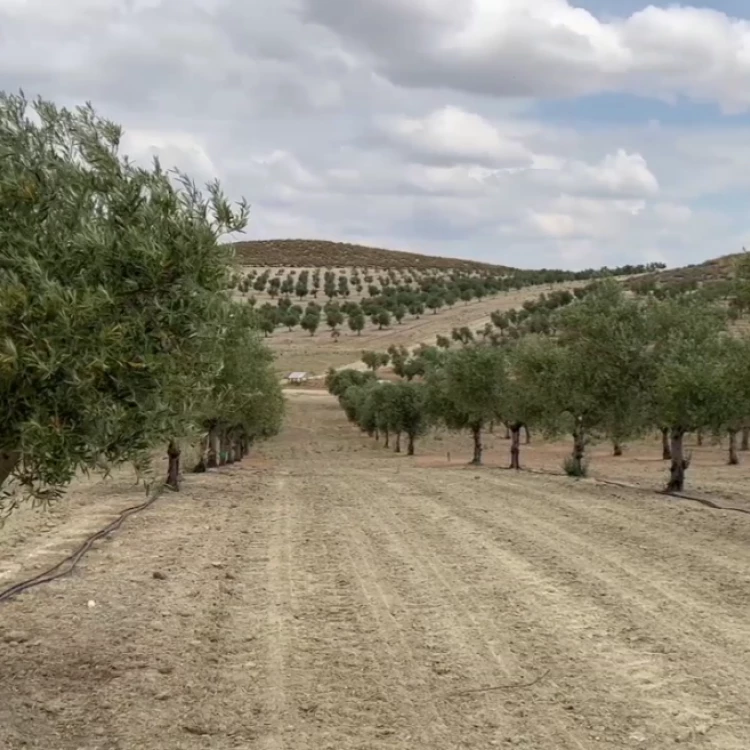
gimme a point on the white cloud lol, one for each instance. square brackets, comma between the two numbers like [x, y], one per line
[673, 213]
[550, 48]
[172, 148]
[452, 135]
[413, 124]
[617, 174]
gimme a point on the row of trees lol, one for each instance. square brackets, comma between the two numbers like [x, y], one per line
[340, 285]
[615, 368]
[534, 316]
[390, 409]
[117, 332]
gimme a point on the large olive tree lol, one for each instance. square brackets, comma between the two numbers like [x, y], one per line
[109, 280]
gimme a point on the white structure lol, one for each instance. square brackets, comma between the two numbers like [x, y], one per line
[295, 378]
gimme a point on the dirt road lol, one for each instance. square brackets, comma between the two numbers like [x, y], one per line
[326, 595]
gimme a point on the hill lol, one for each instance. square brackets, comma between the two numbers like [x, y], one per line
[324, 253]
[691, 276]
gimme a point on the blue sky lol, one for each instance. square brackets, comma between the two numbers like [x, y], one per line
[555, 133]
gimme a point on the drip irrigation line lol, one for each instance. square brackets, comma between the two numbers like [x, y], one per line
[69, 563]
[680, 495]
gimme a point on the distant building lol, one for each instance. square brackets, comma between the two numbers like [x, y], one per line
[295, 378]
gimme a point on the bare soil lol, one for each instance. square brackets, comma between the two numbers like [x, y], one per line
[327, 594]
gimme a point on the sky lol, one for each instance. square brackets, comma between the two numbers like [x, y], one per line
[557, 133]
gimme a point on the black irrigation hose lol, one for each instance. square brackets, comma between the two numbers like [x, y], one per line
[679, 495]
[68, 564]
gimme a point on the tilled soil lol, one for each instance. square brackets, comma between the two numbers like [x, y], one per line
[324, 595]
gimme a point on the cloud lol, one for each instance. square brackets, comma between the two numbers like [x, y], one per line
[548, 48]
[451, 135]
[419, 125]
[172, 148]
[618, 174]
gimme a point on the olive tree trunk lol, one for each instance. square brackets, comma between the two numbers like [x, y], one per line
[579, 447]
[745, 444]
[8, 461]
[213, 449]
[515, 447]
[528, 434]
[699, 438]
[476, 432]
[679, 463]
[734, 459]
[410, 445]
[616, 447]
[387, 442]
[397, 449]
[200, 466]
[231, 449]
[666, 452]
[173, 465]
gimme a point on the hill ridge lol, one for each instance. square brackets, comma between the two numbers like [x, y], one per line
[323, 253]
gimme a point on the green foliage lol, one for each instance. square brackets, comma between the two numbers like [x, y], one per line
[310, 322]
[245, 400]
[689, 354]
[532, 368]
[409, 406]
[356, 320]
[468, 388]
[334, 318]
[610, 333]
[338, 381]
[113, 297]
[390, 408]
[375, 360]
[381, 318]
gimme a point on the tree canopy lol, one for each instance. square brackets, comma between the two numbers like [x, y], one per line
[113, 296]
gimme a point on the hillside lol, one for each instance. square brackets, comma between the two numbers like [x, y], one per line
[323, 253]
[710, 271]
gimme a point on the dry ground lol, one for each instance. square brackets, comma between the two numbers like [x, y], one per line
[329, 595]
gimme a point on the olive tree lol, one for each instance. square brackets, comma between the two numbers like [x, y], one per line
[310, 322]
[604, 367]
[733, 410]
[109, 274]
[408, 404]
[466, 389]
[356, 321]
[691, 371]
[245, 400]
[375, 360]
[531, 364]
